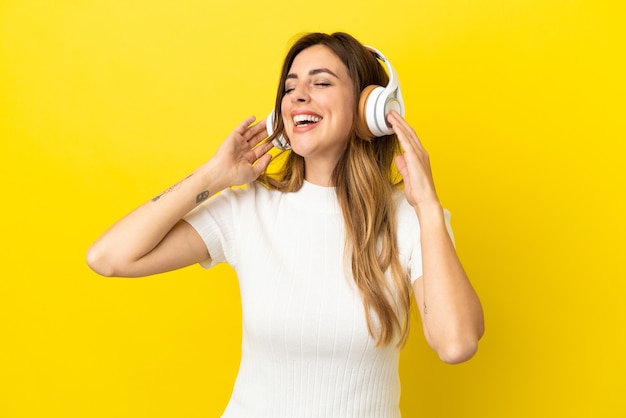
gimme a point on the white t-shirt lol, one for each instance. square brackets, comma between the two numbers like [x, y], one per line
[306, 350]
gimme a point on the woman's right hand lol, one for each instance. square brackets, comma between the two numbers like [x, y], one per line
[241, 158]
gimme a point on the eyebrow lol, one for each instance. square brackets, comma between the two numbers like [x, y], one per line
[315, 71]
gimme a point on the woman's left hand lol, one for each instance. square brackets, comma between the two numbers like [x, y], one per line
[453, 322]
[414, 164]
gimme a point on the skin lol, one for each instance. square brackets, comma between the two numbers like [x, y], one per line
[452, 315]
[153, 238]
[318, 83]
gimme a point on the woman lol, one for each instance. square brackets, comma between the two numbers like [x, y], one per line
[328, 248]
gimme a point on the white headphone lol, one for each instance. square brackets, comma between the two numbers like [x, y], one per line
[280, 141]
[375, 103]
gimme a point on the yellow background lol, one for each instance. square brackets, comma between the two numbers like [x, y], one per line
[103, 104]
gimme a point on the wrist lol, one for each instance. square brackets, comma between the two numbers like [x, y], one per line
[213, 178]
[430, 211]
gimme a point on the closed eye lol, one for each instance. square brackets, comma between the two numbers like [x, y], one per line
[319, 84]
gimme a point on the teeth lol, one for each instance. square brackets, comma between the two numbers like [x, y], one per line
[305, 119]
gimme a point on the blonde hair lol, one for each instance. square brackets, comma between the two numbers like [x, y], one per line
[364, 181]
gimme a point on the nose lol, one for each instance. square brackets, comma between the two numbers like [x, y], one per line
[300, 94]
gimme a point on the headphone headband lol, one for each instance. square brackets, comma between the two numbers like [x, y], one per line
[393, 76]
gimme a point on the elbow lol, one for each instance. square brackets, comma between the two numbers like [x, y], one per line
[461, 348]
[460, 344]
[458, 352]
[99, 262]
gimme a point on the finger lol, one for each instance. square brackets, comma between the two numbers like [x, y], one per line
[257, 127]
[409, 147]
[401, 164]
[243, 127]
[261, 164]
[414, 153]
[405, 132]
[261, 150]
[399, 126]
[256, 134]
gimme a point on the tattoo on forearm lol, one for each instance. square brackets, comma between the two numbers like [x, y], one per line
[171, 189]
[425, 309]
[202, 196]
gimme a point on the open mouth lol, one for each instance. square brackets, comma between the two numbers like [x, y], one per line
[306, 120]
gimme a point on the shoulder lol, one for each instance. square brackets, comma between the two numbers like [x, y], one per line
[237, 202]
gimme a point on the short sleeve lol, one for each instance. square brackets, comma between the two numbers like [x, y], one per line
[409, 239]
[408, 235]
[214, 222]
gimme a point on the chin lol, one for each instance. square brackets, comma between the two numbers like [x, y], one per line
[301, 149]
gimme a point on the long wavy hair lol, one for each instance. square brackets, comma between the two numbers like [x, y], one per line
[364, 180]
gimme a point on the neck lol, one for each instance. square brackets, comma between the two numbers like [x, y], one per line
[319, 172]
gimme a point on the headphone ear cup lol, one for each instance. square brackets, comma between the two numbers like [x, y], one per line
[364, 121]
[377, 102]
[279, 142]
[385, 102]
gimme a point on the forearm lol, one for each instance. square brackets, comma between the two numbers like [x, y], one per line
[138, 233]
[451, 311]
